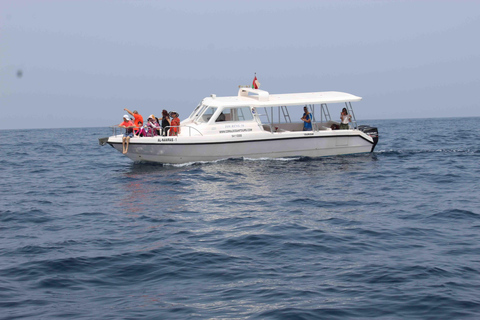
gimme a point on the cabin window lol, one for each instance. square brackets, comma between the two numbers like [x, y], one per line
[207, 114]
[235, 114]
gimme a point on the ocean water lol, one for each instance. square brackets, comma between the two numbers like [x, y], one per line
[87, 234]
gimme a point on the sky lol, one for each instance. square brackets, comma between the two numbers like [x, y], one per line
[79, 63]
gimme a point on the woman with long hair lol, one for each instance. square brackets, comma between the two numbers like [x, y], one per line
[345, 119]
[165, 122]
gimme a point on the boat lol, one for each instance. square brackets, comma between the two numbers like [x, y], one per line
[255, 124]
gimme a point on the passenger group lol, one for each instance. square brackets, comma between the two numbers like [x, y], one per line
[171, 127]
[153, 127]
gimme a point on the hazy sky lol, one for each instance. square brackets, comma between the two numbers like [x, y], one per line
[79, 63]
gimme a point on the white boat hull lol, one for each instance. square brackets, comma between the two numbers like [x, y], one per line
[180, 149]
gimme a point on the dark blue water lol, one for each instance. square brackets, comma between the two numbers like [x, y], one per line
[87, 234]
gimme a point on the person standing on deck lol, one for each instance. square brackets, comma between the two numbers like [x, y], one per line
[165, 122]
[175, 124]
[346, 118]
[136, 117]
[307, 120]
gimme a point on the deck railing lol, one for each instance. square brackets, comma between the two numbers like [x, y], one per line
[149, 130]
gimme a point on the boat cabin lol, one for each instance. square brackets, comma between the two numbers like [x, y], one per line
[260, 111]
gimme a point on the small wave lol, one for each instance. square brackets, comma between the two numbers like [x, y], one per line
[303, 313]
[59, 283]
[32, 215]
[193, 163]
[252, 240]
[272, 159]
[235, 159]
[248, 159]
[22, 303]
[425, 151]
[455, 214]
[71, 265]
[323, 203]
[310, 248]
[33, 249]
[462, 250]
[91, 213]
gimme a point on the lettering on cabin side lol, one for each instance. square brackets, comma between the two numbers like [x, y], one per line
[234, 126]
[235, 130]
[167, 139]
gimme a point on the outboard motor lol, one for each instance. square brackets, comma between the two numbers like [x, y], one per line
[372, 132]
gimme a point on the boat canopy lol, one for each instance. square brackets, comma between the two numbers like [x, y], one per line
[261, 98]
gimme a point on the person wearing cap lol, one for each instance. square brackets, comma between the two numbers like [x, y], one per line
[136, 117]
[165, 122]
[128, 125]
[152, 126]
[174, 124]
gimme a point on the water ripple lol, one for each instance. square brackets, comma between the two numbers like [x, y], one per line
[88, 234]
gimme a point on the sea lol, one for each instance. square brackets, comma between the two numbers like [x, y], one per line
[85, 233]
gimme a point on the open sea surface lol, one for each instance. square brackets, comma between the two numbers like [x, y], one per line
[87, 234]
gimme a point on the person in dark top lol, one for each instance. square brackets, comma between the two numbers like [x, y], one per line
[165, 122]
[159, 128]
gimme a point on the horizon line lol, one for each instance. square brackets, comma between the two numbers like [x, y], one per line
[429, 118]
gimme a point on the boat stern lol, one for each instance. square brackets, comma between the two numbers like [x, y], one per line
[371, 132]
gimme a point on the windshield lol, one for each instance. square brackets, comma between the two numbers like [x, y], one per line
[195, 112]
[207, 114]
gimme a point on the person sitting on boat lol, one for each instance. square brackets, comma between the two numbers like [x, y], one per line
[174, 124]
[334, 126]
[159, 128]
[140, 130]
[345, 119]
[136, 117]
[307, 120]
[152, 126]
[165, 122]
[128, 125]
